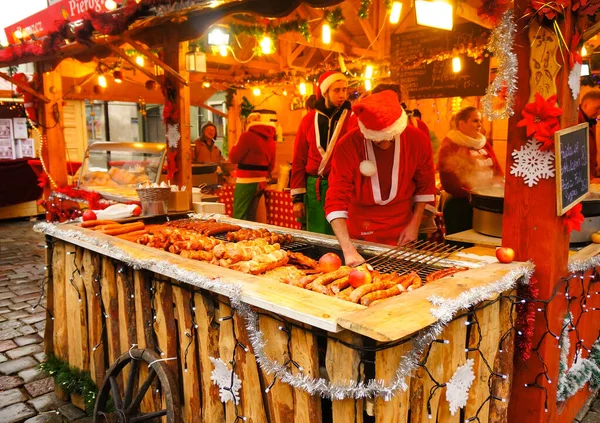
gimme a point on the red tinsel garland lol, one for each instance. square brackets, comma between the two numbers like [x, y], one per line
[525, 324]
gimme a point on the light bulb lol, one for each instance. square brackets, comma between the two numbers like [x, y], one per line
[369, 72]
[256, 91]
[206, 84]
[436, 14]
[368, 84]
[326, 34]
[18, 34]
[284, 92]
[139, 60]
[266, 45]
[102, 81]
[456, 65]
[395, 13]
[302, 88]
[110, 5]
[223, 51]
[584, 51]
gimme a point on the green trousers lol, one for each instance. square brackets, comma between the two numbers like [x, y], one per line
[315, 208]
[245, 200]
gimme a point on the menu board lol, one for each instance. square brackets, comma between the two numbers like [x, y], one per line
[437, 79]
[572, 166]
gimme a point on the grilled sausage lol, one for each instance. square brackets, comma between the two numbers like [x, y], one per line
[368, 299]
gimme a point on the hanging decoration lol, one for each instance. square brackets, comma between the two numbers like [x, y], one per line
[493, 10]
[334, 17]
[541, 119]
[171, 164]
[363, 10]
[583, 370]
[576, 62]
[223, 378]
[457, 388]
[504, 85]
[532, 163]
[525, 323]
[173, 135]
[573, 219]
[246, 108]
[259, 30]
[170, 111]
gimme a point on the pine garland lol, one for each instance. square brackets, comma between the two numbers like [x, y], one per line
[363, 10]
[71, 380]
[334, 17]
[246, 108]
[297, 25]
[583, 370]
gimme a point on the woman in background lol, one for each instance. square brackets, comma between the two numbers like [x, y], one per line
[206, 150]
[466, 161]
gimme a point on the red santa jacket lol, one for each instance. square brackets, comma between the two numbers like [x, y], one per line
[255, 152]
[379, 207]
[308, 153]
[463, 168]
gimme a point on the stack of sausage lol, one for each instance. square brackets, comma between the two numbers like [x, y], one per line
[129, 231]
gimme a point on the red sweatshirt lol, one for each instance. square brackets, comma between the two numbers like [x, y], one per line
[255, 152]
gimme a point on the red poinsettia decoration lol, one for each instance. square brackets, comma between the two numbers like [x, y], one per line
[573, 219]
[547, 9]
[43, 180]
[574, 56]
[171, 164]
[541, 118]
[492, 10]
[586, 7]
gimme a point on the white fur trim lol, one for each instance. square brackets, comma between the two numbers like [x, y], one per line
[463, 140]
[424, 198]
[337, 215]
[258, 122]
[375, 186]
[297, 191]
[385, 134]
[327, 82]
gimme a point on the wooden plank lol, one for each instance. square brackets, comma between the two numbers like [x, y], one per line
[381, 322]
[164, 326]
[442, 362]
[49, 327]
[126, 301]
[307, 408]
[91, 280]
[207, 335]
[342, 364]
[584, 254]
[132, 62]
[111, 309]
[488, 319]
[280, 398]
[74, 300]
[396, 409]
[226, 347]
[25, 87]
[188, 356]
[503, 362]
[60, 306]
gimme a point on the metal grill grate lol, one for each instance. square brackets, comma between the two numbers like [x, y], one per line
[422, 257]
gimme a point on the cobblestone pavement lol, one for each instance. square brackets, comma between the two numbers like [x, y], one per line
[26, 394]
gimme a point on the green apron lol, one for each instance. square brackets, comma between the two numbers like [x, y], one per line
[315, 208]
[245, 200]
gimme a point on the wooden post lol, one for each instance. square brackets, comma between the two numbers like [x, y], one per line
[175, 58]
[535, 232]
[52, 118]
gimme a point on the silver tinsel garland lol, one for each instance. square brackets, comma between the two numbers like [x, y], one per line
[501, 44]
[583, 265]
[446, 310]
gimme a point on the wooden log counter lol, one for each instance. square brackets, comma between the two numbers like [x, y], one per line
[165, 335]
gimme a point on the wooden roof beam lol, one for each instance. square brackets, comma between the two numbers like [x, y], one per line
[256, 64]
[591, 31]
[129, 60]
[364, 24]
[469, 12]
[333, 46]
[309, 58]
[24, 87]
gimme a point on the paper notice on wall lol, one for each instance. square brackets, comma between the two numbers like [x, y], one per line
[25, 148]
[20, 128]
[6, 129]
[7, 150]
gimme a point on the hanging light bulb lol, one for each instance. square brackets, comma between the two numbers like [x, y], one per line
[223, 50]
[118, 76]
[18, 34]
[369, 72]
[342, 64]
[368, 84]
[436, 14]
[266, 45]
[326, 34]
[206, 84]
[256, 91]
[102, 81]
[284, 92]
[110, 5]
[139, 60]
[456, 64]
[216, 37]
[395, 13]
[302, 88]
[584, 51]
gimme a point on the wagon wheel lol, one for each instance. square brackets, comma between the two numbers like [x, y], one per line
[126, 408]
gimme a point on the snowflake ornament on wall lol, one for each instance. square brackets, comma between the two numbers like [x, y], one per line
[532, 164]
[457, 388]
[575, 80]
[222, 377]
[173, 135]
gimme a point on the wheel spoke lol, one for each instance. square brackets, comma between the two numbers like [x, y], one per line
[114, 389]
[130, 383]
[140, 394]
[148, 416]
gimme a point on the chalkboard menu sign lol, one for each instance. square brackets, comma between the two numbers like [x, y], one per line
[572, 166]
[437, 79]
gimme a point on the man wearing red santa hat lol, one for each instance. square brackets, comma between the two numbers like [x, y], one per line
[316, 138]
[381, 178]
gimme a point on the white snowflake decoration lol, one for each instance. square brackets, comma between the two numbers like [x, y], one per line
[575, 80]
[532, 164]
[457, 388]
[221, 376]
[173, 135]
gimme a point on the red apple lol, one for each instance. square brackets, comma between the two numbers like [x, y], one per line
[137, 211]
[330, 262]
[505, 254]
[89, 215]
[359, 277]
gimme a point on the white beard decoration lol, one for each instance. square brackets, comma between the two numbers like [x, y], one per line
[368, 168]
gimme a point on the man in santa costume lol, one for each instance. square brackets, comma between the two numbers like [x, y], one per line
[381, 177]
[317, 136]
[255, 156]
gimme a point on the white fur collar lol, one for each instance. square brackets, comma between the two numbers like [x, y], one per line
[463, 140]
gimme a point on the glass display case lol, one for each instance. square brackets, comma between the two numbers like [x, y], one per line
[115, 169]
